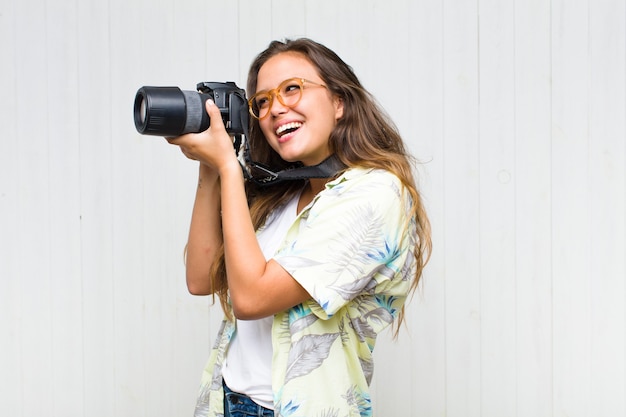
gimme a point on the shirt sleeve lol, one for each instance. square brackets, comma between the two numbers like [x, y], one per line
[350, 241]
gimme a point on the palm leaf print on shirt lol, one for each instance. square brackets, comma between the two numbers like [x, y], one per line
[360, 240]
[308, 353]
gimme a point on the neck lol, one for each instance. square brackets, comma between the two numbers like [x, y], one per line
[317, 184]
[311, 189]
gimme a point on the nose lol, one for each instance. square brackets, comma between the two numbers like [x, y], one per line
[277, 107]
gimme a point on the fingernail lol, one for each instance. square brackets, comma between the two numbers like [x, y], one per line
[211, 102]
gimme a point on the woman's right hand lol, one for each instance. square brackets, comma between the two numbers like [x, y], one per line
[213, 147]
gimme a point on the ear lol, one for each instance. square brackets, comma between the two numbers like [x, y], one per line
[338, 101]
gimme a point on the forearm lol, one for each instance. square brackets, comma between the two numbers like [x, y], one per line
[257, 288]
[245, 262]
[205, 234]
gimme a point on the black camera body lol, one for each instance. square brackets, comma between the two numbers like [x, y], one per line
[171, 112]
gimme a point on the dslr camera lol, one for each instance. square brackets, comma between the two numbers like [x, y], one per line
[171, 112]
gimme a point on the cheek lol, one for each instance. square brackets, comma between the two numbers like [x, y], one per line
[269, 135]
[331, 119]
[266, 129]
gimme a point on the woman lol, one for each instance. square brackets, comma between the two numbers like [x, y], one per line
[308, 272]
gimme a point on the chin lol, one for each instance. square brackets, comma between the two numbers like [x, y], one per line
[288, 156]
[289, 159]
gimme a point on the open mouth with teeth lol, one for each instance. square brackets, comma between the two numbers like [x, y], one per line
[287, 128]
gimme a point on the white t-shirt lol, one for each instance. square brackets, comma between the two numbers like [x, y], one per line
[248, 364]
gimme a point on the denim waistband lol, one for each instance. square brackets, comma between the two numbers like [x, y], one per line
[240, 405]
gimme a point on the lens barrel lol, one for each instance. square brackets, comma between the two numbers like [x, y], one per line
[169, 111]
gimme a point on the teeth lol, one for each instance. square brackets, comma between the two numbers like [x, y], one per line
[287, 126]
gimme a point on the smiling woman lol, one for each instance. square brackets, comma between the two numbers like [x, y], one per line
[327, 263]
[301, 103]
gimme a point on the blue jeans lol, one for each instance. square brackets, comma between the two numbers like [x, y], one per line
[240, 405]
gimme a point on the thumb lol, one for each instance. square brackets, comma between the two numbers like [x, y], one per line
[215, 115]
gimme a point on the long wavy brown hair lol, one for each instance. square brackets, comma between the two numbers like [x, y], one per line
[364, 137]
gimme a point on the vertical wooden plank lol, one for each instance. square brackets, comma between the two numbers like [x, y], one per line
[570, 208]
[424, 132]
[94, 89]
[64, 188]
[224, 42]
[497, 207]
[255, 33]
[461, 209]
[10, 277]
[533, 208]
[340, 26]
[607, 158]
[385, 81]
[135, 341]
[322, 21]
[288, 19]
[159, 205]
[34, 199]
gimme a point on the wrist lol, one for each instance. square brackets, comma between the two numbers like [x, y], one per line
[231, 168]
[207, 177]
[206, 171]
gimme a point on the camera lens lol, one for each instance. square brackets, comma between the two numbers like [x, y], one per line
[142, 111]
[160, 111]
[171, 112]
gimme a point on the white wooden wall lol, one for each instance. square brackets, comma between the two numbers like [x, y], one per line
[516, 107]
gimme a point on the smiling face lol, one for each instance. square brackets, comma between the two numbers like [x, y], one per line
[301, 132]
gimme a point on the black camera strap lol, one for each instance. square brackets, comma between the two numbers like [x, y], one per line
[328, 168]
[264, 176]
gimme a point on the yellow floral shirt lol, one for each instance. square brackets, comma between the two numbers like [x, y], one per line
[351, 251]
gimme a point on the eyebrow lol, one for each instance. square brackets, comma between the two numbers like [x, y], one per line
[286, 79]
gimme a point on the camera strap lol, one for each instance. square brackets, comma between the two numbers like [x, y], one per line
[328, 168]
[263, 176]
